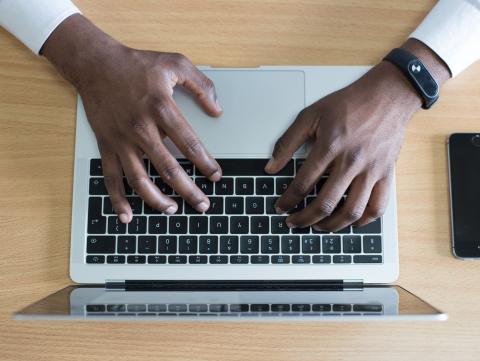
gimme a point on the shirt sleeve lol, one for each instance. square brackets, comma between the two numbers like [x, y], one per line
[32, 21]
[452, 31]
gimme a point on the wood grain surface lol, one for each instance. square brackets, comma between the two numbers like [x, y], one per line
[37, 118]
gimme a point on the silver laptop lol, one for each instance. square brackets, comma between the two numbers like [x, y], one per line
[239, 247]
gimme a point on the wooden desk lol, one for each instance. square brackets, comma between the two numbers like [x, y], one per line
[37, 116]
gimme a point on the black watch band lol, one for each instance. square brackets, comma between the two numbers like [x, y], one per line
[417, 74]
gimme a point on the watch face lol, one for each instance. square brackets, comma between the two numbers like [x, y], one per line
[423, 78]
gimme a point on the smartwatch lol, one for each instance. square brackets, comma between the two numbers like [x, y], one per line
[417, 74]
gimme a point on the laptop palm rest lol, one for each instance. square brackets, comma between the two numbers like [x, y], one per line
[258, 106]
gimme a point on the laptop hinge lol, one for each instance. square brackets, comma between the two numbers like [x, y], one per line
[234, 285]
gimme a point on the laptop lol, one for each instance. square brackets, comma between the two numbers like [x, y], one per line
[239, 258]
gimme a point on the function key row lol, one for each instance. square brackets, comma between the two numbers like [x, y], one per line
[233, 244]
[237, 259]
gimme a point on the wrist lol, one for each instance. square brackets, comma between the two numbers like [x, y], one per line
[78, 50]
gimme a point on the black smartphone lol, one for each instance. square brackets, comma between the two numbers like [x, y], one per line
[464, 181]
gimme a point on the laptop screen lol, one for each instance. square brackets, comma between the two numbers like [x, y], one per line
[367, 303]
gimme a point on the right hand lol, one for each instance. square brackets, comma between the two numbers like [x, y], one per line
[127, 94]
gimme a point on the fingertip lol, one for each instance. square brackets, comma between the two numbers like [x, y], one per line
[270, 167]
[124, 218]
[203, 206]
[216, 176]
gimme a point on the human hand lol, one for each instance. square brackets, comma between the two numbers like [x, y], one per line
[127, 95]
[356, 135]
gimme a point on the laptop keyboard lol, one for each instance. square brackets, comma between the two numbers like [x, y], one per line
[240, 227]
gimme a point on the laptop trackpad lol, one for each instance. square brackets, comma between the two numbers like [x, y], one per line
[258, 106]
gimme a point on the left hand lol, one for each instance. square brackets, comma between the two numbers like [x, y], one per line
[356, 134]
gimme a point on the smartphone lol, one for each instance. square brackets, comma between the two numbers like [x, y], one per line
[464, 182]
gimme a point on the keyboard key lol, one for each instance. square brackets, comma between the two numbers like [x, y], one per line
[342, 259]
[218, 259]
[164, 187]
[97, 223]
[249, 244]
[238, 259]
[177, 224]
[219, 225]
[116, 259]
[244, 186]
[345, 230]
[218, 308]
[239, 307]
[177, 259]
[136, 308]
[95, 308]
[342, 308]
[278, 307]
[270, 244]
[367, 259]
[372, 244]
[187, 244]
[147, 244]
[290, 244]
[259, 224]
[374, 227]
[279, 226]
[367, 308]
[234, 205]
[264, 186]
[208, 244]
[157, 308]
[250, 167]
[187, 167]
[260, 259]
[115, 226]
[352, 244]
[321, 307]
[270, 205]
[229, 244]
[188, 209]
[116, 308]
[180, 202]
[157, 224]
[281, 184]
[136, 204]
[301, 259]
[280, 259]
[331, 244]
[107, 206]
[136, 259]
[311, 244]
[216, 205]
[197, 259]
[239, 225]
[167, 244]
[260, 307]
[149, 210]
[101, 244]
[95, 259]
[126, 244]
[198, 224]
[138, 225]
[224, 186]
[301, 307]
[97, 187]
[157, 259]
[205, 185]
[198, 308]
[96, 167]
[254, 205]
[322, 259]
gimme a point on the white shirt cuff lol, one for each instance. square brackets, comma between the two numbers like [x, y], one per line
[32, 21]
[452, 31]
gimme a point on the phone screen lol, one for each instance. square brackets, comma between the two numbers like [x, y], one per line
[464, 161]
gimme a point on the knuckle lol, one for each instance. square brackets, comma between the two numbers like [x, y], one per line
[163, 110]
[332, 148]
[376, 211]
[180, 59]
[299, 188]
[353, 214]
[170, 172]
[354, 156]
[207, 84]
[325, 207]
[138, 180]
[193, 147]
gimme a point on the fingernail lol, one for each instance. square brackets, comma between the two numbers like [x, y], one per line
[269, 165]
[290, 224]
[279, 210]
[317, 228]
[216, 176]
[218, 104]
[202, 207]
[123, 218]
[171, 210]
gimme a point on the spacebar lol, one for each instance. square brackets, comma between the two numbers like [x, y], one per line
[250, 167]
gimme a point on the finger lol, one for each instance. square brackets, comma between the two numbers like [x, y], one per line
[113, 177]
[378, 201]
[288, 143]
[323, 206]
[182, 134]
[138, 179]
[306, 178]
[353, 208]
[174, 175]
[200, 85]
